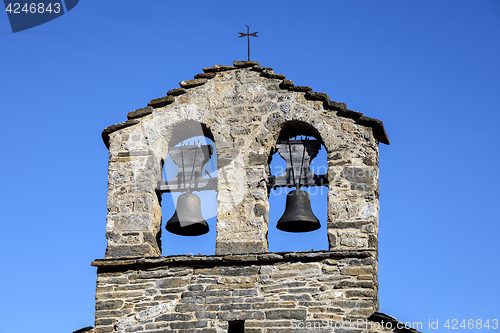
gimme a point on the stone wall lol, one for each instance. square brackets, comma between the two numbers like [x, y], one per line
[272, 293]
[244, 108]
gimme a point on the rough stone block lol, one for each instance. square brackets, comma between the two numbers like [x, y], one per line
[359, 270]
[189, 324]
[241, 315]
[162, 101]
[192, 83]
[130, 251]
[173, 317]
[173, 282]
[241, 64]
[205, 75]
[109, 305]
[218, 68]
[176, 92]
[286, 314]
[241, 247]
[140, 112]
[243, 108]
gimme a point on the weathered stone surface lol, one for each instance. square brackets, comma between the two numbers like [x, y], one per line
[272, 75]
[113, 128]
[358, 270]
[217, 296]
[260, 69]
[332, 105]
[124, 251]
[192, 83]
[273, 110]
[359, 175]
[350, 114]
[244, 109]
[286, 314]
[241, 315]
[210, 75]
[173, 317]
[109, 305]
[299, 88]
[191, 324]
[286, 84]
[176, 92]
[140, 113]
[240, 247]
[378, 128]
[316, 96]
[245, 63]
[218, 68]
[257, 159]
[173, 282]
[162, 101]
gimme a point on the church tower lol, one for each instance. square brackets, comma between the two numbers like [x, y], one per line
[249, 113]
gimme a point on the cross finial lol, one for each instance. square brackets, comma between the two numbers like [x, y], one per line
[248, 34]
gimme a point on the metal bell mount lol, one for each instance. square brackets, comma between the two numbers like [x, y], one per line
[188, 219]
[298, 215]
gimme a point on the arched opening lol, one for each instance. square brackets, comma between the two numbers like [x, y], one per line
[304, 137]
[189, 168]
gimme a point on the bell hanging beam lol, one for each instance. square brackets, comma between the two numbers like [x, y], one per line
[298, 155]
[190, 160]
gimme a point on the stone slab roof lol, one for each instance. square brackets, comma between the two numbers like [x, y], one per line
[266, 72]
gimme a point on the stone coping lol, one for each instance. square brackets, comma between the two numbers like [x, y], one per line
[230, 259]
[383, 319]
[267, 72]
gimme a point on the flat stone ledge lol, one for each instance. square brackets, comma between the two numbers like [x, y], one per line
[350, 114]
[286, 84]
[230, 259]
[205, 75]
[271, 75]
[210, 72]
[192, 83]
[316, 96]
[113, 128]
[332, 105]
[378, 128]
[260, 69]
[176, 92]
[138, 152]
[218, 68]
[300, 88]
[243, 64]
[162, 101]
[139, 113]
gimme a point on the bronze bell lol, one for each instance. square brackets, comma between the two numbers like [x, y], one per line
[298, 215]
[187, 219]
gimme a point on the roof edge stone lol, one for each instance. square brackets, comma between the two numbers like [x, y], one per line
[210, 72]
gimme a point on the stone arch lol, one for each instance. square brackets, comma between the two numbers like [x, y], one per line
[188, 128]
[293, 128]
[289, 130]
[180, 133]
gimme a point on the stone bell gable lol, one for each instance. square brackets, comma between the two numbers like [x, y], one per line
[249, 113]
[245, 109]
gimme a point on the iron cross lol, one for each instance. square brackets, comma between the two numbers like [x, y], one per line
[248, 34]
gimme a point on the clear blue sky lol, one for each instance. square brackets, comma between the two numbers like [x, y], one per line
[430, 69]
